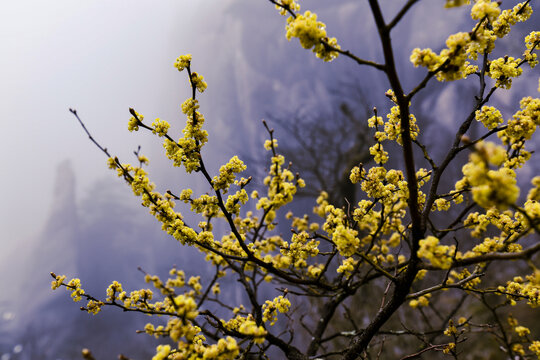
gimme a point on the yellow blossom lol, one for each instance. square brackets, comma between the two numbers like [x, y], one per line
[311, 34]
[182, 62]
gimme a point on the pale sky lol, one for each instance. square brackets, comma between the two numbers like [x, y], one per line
[100, 57]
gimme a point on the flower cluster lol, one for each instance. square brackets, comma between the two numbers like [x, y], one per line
[312, 34]
[287, 5]
[346, 240]
[422, 301]
[182, 62]
[198, 82]
[490, 188]
[271, 308]
[160, 127]
[162, 353]
[510, 225]
[300, 248]
[532, 42]
[519, 289]
[246, 326]
[452, 62]
[190, 106]
[392, 127]
[489, 116]
[534, 192]
[519, 129]
[535, 348]
[455, 276]
[485, 9]
[347, 266]
[181, 310]
[503, 70]
[438, 255]
[74, 285]
[186, 151]
[269, 144]
[524, 122]
[135, 121]
[519, 13]
[94, 307]
[227, 173]
[281, 188]
[58, 281]
[379, 155]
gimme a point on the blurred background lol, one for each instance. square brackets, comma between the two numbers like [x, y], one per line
[64, 211]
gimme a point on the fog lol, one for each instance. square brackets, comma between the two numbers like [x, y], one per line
[64, 211]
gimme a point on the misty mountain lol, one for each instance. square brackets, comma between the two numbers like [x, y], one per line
[102, 238]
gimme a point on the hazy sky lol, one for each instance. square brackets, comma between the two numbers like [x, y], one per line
[99, 57]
